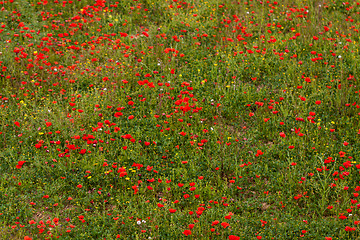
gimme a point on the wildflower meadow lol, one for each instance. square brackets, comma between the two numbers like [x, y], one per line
[173, 119]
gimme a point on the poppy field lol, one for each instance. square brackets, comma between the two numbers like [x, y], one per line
[173, 119]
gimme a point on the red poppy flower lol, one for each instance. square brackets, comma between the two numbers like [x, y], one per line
[187, 232]
[172, 210]
[233, 237]
[56, 220]
[258, 153]
[216, 222]
[20, 164]
[342, 217]
[225, 224]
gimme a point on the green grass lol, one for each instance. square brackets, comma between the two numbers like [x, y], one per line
[147, 119]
